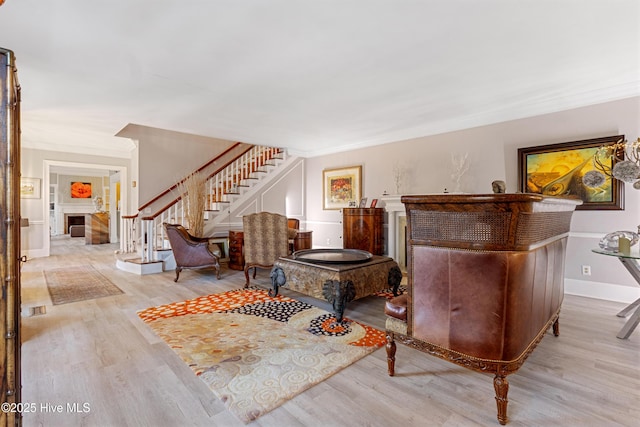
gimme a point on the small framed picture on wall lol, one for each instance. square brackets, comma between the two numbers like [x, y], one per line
[341, 187]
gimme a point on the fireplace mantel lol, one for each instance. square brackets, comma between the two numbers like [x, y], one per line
[396, 217]
[63, 210]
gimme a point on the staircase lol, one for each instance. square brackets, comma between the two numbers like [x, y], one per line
[144, 248]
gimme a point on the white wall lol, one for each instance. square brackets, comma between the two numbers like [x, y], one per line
[165, 158]
[492, 151]
[34, 238]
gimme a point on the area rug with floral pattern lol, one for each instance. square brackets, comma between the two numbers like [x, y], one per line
[254, 351]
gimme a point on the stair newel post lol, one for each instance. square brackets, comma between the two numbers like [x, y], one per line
[156, 235]
[147, 236]
[133, 237]
[151, 244]
[163, 218]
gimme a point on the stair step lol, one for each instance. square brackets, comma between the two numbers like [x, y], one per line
[137, 266]
[139, 261]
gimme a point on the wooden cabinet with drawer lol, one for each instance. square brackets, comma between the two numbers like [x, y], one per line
[362, 228]
[236, 256]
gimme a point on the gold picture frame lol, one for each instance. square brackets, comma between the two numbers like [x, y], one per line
[557, 170]
[341, 186]
[29, 188]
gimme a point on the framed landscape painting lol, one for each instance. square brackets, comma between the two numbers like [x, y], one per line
[557, 170]
[342, 187]
[30, 188]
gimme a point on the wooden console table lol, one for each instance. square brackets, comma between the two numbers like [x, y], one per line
[96, 228]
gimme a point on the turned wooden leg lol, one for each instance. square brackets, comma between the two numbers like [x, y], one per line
[246, 277]
[391, 354]
[501, 385]
[556, 327]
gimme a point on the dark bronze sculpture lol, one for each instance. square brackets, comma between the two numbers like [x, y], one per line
[339, 293]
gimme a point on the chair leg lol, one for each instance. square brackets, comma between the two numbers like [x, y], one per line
[501, 385]
[178, 270]
[246, 276]
[391, 354]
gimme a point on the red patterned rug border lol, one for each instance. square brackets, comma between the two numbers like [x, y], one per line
[230, 300]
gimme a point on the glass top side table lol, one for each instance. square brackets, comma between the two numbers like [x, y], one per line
[630, 261]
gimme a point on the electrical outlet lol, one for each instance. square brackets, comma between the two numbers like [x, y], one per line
[328, 241]
[586, 270]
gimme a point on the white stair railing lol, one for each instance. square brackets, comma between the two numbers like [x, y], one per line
[222, 188]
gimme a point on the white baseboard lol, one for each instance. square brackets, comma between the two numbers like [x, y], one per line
[35, 253]
[605, 291]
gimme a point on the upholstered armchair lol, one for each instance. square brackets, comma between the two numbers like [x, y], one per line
[265, 240]
[485, 280]
[190, 251]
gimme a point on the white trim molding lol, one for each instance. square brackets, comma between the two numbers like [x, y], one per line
[604, 291]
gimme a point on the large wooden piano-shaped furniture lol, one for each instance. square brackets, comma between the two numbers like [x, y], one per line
[485, 280]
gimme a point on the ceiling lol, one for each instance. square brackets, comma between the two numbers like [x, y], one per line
[313, 76]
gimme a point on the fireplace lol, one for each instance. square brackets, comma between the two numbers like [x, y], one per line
[72, 219]
[397, 230]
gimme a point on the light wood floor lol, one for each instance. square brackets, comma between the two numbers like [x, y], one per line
[98, 352]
